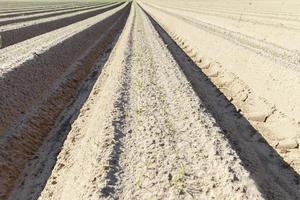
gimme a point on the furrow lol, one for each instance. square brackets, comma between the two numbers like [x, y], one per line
[257, 156]
[238, 18]
[46, 5]
[149, 99]
[93, 143]
[51, 13]
[263, 7]
[245, 14]
[61, 81]
[272, 51]
[170, 146]
[25, 12]
[15, 59]
[13, 34]
[139, 138]
[249, 80]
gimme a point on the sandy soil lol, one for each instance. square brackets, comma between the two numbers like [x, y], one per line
[10, 19]
[16, 56]
[43, 19]
[16, 33]
[259, 74]
[39, 105]
[150, 100]
[156, 131]
[23, 13]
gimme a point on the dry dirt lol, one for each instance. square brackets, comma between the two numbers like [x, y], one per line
[149, 100]
[249, 50]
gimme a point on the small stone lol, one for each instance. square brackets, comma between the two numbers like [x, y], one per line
[258, 116]
[54, 182]
[170, 177]
[287, 144]
[161, 144]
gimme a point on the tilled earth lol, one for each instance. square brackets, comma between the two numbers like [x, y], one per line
[127, 114]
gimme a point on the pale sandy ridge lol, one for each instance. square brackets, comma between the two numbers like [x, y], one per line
[7, 7]
[270, 7]
[255, 29]
[249, 72]
[10, 20]
[47, 19]
[91, 152]
[19, 53]
[171, 147]
[15, 5]
[272, 175]
[25, 13]
[177, 107]
[148, 140]
[38, 170]
[58, 82]
[15, 36]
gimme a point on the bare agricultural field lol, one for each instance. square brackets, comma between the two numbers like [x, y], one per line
[250, 52]
[149, 99]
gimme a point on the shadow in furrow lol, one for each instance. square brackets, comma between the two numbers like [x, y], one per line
[10, 21]
[40, 166]
[11, 37]
[119, 124]
[273, 176]
[40, 11]
[29, 8]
